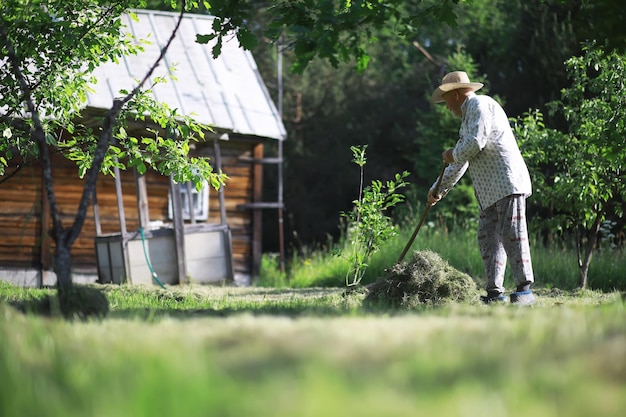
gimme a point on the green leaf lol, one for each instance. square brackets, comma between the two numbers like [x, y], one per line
[363, 62]
[247, 39]
[141, 167]
[217, 49]
[203, 39]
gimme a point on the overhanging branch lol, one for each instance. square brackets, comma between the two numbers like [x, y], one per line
[37, 132]
[106, 137]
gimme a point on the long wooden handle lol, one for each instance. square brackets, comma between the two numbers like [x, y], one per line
[421, 222]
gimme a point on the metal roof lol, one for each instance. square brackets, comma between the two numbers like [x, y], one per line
[227, 93]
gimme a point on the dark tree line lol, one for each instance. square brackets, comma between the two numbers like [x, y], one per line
[517, 48]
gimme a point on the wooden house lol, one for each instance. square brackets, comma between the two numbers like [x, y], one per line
[146, 226]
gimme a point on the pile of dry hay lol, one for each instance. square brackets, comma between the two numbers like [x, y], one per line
[425, 279]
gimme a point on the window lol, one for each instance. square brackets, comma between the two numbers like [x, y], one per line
[199, 201]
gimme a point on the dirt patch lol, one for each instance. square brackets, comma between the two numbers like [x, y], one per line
[425, 279]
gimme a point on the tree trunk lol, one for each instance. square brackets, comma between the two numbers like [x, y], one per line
[65, 237]
[63, 262]
[592, 239]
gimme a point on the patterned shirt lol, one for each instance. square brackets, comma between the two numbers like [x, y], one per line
[487, 147]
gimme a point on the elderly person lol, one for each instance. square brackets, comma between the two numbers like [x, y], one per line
[487, 148]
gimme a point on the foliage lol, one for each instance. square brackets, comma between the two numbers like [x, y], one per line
[270, 274]
[46, 38]
[329, 107]
[55, 61]
[317, 268]
[336, 31]
[369, 226]
[517, 46]
[555, 265]
[524, 43]
[579, 174]
[50, 49]
[601, 19]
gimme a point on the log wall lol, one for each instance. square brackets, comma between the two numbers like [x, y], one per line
[21, 208]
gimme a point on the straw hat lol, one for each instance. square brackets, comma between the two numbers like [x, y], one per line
[452, 81]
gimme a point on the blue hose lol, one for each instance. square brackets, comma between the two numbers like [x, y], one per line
[145, 253]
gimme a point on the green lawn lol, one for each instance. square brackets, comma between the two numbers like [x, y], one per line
[206, 351]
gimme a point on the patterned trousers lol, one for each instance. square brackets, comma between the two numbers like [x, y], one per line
[502, 233]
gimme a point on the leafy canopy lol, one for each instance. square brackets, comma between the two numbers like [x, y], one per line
[337, 31]
[55, 45]
[579, 174]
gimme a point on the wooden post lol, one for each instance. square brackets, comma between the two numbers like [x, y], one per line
[192, 211]
[142, 200]
[96, 213]
[257, 215]
[228, 244]
[281, 229]
[120, 200]
[179, 231]
[122, 217]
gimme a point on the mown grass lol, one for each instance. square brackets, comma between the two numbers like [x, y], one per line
[203, 351]
[303, 346]
[554, 266]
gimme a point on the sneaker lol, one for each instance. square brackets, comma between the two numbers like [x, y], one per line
[522, 298]
[493, 298]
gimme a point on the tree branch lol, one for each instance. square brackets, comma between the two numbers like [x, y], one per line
[5, 178]
[63, 52]
[592, 239]
[106, 136]
[37, 132]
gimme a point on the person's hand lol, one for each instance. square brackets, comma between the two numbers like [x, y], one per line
[433, 198]
[447, 156]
